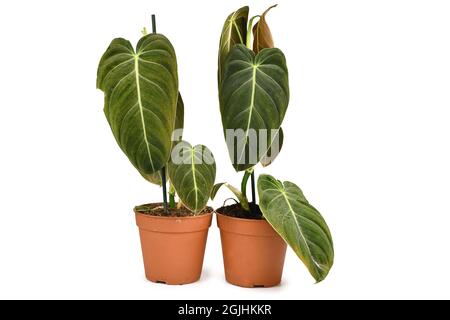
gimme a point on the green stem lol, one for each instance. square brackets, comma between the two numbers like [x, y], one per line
[249, 173]
[244, 182]
[171, 196]
[249, 32]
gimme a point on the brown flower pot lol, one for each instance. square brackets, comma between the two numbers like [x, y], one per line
[173, 247]
[253, 253]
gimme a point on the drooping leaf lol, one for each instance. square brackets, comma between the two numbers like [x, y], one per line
[141, 93]
[234, 31]
[285, 207]
[254, 96]
[273, 152]
[155, 177]
[262, 37]
[241, 197]
[192, 171]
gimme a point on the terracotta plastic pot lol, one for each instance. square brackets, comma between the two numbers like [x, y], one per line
[173, 248]
[253, 253]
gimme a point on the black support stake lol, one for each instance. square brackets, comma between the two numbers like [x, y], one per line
[153, 23]
[164, 187]
[163, 170]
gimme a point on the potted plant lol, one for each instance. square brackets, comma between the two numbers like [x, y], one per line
[145, 112]
[254, 96]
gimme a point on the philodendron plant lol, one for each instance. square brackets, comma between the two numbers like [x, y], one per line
[254, 96]
[145, 112]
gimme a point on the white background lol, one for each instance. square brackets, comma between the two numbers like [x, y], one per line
[366, 136]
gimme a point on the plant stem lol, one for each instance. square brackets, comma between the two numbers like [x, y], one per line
[249, 173]
[164, 185]
[171, 195]
[253, 187]
[244, 182]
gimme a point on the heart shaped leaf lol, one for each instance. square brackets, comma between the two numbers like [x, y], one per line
[285, 207]
[192, 171]
[254, 97]
[234, 31]
[141, 93]
[262, 37]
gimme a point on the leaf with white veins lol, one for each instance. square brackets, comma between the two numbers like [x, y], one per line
[192, 171]
[285, 207]
[141, 93]
[254, 96]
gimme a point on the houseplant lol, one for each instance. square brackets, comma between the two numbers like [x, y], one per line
[254, 96]
[145, 112]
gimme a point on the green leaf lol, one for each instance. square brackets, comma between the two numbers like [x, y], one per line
[273, 152]
[285, 207]
[254, 95]
[234, 31]
[141, 93]
[241, 197]
[192, 171]
[262, 37]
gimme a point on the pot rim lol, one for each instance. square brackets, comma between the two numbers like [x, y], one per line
[174, 217]
[173, 225]
[240, 219]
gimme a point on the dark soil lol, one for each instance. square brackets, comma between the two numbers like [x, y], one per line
[235, 210]
[157, 209]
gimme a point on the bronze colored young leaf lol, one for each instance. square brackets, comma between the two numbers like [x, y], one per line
[262, 37]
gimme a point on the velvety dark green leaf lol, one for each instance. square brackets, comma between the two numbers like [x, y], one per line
[241, 197]
[262, 37]
[234, 31]
[192, 171]
[285, 207]
[273, 152]
[254, 96]
[141, 93]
